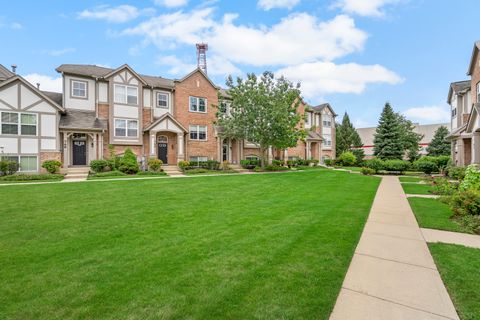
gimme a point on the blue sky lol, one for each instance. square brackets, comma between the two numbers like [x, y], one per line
[354, 54]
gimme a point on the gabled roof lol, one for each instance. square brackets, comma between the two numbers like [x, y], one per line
[458, 87]
[97, 72]
[457, 132]
[472, 117]
[34, 89]
[55, 96]
[322, 106]
[312, 135]
[125, 66]
[165, 116]
[5, 73]
[476, 47]
[195, 71]
[82, 120]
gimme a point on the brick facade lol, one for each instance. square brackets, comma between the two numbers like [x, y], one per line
[44, 156]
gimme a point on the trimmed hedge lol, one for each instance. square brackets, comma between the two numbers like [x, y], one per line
[32, 177]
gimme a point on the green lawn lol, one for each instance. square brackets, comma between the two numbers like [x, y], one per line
[411, 188]
[459, 267]
[410, 179]
[358, 169]
[431, 213]
[270, 246]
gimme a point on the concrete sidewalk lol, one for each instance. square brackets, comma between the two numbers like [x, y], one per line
[392, 274]
[464, 239]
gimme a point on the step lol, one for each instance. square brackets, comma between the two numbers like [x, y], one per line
[76, 175]
[78, 170]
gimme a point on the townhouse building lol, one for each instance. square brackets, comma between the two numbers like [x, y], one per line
[103, 110]
[464, 101]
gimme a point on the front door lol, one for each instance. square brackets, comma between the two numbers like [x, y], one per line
[225, 152]
[163, 151]
[79, 152]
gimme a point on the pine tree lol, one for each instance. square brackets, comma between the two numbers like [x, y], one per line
[387, 140]
[439, 146]
[348, 139]
[410, 138]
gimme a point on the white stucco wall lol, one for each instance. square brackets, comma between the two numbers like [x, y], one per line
[79, 103]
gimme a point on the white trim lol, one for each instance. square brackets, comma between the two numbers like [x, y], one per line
[72, 95]
[156, 99]
[198, 132]
[125, 101]
[19, 124]
[126, 127]
[198, 104]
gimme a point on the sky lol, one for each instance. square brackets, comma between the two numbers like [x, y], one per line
[354, 54]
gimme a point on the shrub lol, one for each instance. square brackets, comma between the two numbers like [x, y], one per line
[375, 164]
[470, 223]
[466, 202]
[471, 181]
[51, 165]
[154, 164]
[367, 171]
[249, 164]
[8, 167]
[441, 186]
[210, 165]
[457, 173]
[128, 163]
[347, 159]
[113, 173]
[32, 177]
[98, 165]
[442, 162]
[396, 165]
[327, 162]
[425, 166]
[272, 167]
[113, 160]
[225, 166]
[183, 164]
[197, 171]
[359, 155]
[277, 163]
[151, 173]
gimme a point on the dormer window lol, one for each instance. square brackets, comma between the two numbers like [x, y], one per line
[79, 89]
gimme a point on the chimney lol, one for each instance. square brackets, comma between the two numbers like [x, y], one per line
[14, 68]
[38, 85]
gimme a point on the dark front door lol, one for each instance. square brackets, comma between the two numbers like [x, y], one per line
[225, 152]
[79, 153]
[163, 151]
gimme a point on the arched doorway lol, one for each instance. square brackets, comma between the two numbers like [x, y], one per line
[162, 148]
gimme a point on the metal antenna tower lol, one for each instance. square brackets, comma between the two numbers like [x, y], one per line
[202, 56]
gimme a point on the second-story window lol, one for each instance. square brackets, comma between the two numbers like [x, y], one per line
[126, 128]
[307, 119]
[24, 124]
[327, 123]
[126, 94]
[198, 104]
[162, 100]
[327, 140]
[79, 89]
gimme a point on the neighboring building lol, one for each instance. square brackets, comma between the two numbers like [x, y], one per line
[168, 119]
[464, 99]
[427, 130]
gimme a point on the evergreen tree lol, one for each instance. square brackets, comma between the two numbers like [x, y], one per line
[410, 138]
[348, 139]
[388, 136]
[439, 146]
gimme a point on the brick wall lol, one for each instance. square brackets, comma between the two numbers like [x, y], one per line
[44, 156]
[197, 85]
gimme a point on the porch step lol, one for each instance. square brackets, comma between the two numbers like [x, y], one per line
[172, 170]
[78, 170]
[76, 174]
[238, 168]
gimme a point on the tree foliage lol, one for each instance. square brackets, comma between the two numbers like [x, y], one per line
[348, 139]
[409, 138]
[388, 136]
[439, 146]
[262, 110]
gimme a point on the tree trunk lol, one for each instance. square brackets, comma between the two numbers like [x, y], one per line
[262, 157]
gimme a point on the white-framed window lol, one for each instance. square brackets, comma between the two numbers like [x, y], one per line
[307, 118]
[198, 104]
[327, 122]
[252, 157]
[126, 94]
[327, 140]
[15, 123]
[79, 89]
[198, 159]
[126, 128]
[198, 132]
[26, 163]
[162, 100]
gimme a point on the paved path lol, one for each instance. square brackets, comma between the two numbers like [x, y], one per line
[392, 274]
[430, 196]
[464, 239]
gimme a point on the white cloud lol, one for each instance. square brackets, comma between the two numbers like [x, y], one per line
[16, 26]
[177, 66]
[428, 114]
[119, 14]
[366, 8]
[319, 78]
[60, 52]
[47, 83]
[271, 4]
[171, 3]
[295, 39]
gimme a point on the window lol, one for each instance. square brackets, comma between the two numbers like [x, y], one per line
[198, 132]
[79, 89]
[252, 157]
[327, 122]
[162, 100]
[27, 126]
[327, 140]
[26, 163]
[126, 94]
[454, 112]
[126, 128]
[198, 159]
[9, 123]
[198, 104]
[307, 118]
